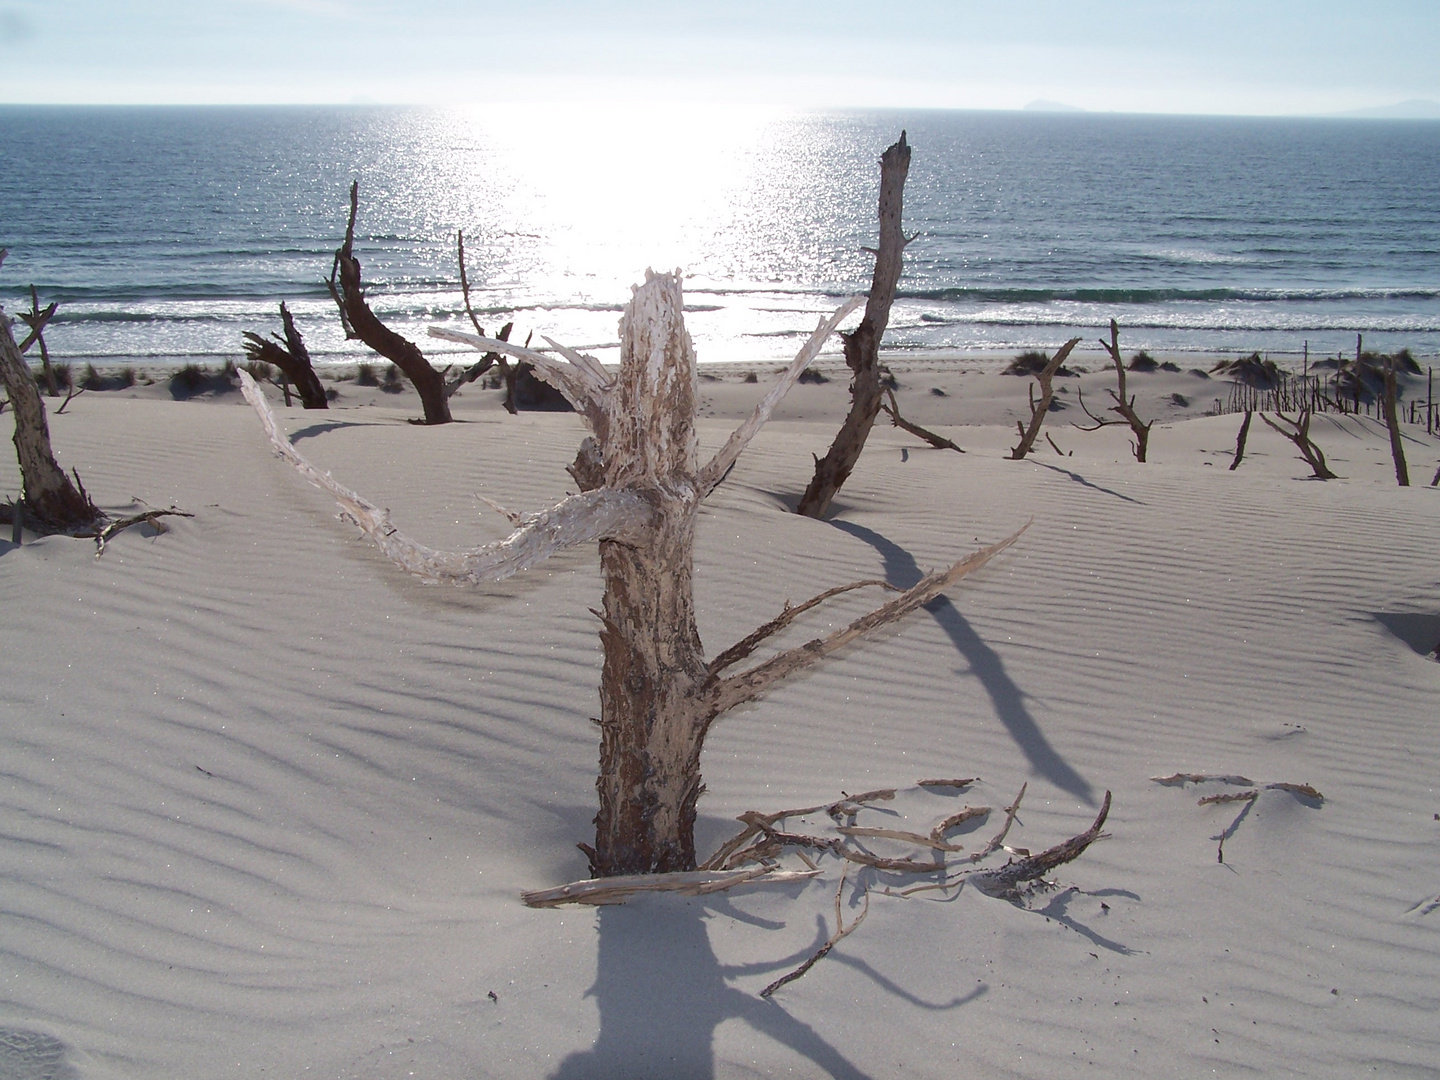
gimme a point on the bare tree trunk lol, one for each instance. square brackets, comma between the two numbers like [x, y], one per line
[1125, 405]
[1299, 433]
[50, 497]
[292, 358]
[360, 322]
[36, 319]
[862, 345]
[1397, 448]
[642, 492]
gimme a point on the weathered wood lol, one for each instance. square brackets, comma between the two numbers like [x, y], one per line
[1240, 441]
[1298, 433]
[1006, 881]
[291, 357]
[51, 499]
[1039, 410]
[362, 324]
[1392, 424]
[643, 486]
[862, 345]
[36, 319]
[1124, 402]
[490, 359]
[939, 442]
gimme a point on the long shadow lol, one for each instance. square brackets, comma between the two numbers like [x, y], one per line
[1087, 483]
[985, 664]
[323, 428]
[662, 993]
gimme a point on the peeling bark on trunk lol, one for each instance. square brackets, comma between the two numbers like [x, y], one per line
[292, 358]
[642, 488]
[360, 322]
[50, 497]
[862, 345]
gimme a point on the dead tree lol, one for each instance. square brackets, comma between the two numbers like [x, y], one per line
[50, 498]
[1392, 423]
[291, 357]
[1240, 441]
[642, 489]
[1124, 405]
[1298, 432]
[361, 324]
[1038, 409]
[862, 345]
[36, 319]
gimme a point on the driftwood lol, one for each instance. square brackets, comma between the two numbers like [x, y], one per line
[1038, 410]
[1298, 432]
[1124, 404]
[658, 694]
[752, 859]
[862, 345]
[104, 535]
[291, 357]
[937, 441]
[51, 499]
[1302, 791]
[1392, 424]
[841, 932]
[361, 324]
[1240, 441]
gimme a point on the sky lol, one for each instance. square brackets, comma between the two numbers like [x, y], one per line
[1276, 57]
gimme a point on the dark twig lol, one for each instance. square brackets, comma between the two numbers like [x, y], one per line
[937, 441]
[841, 932]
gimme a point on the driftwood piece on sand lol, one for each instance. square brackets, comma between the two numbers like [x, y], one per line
[658, 694]
[940, 442]
[862, 345]
[1240, 441]
[1040, 409]
[1298, 432]
[1006, 881]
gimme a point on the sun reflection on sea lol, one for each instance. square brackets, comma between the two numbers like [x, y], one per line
[570, 204]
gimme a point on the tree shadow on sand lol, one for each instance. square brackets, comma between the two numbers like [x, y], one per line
[985, 664]
[662, 993]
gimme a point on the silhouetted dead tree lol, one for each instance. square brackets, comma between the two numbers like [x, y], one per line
[1240, 441]
[1039, 409]
[643, 486]
[361, 324]
[1298, 432]
[862, 345]
[36, 319]
[1124, 404]
[291, 357]
[51, 500]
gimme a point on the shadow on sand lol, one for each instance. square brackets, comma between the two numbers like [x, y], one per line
[662, 993]
[985, 664]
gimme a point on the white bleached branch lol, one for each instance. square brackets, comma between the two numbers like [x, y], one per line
[584, 385]
[740, 438]
[602, 514]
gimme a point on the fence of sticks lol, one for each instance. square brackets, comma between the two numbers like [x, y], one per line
[1345, 390]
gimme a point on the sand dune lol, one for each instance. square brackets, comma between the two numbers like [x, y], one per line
[267, 803]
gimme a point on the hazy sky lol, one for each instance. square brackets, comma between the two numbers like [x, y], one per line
[1230, 56]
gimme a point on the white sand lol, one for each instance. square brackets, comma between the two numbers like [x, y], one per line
[267, 804]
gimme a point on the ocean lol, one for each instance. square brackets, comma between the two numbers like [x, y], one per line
[166, 232]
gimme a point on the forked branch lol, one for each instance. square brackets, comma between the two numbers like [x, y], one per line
[726, 693]
[1038, 410]
[1298, 432]
[603, 514]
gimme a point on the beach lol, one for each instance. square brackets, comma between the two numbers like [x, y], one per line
[270, 802]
